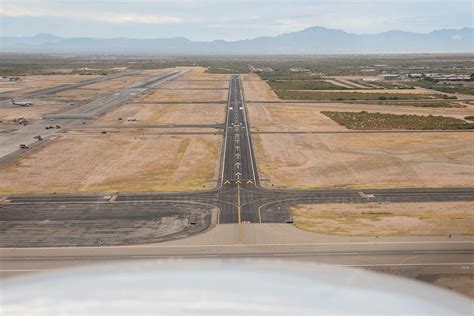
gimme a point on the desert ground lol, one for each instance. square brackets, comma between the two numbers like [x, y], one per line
[363, 160]
[172, 114]
[387, 219]
[112, 163]
[184, 83]
[288, 118]
[201, 96]
[255, 89]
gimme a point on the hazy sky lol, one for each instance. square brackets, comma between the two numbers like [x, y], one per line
[226, 19]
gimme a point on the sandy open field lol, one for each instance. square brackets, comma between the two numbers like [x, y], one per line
[387, 219]
[108, 163]
[379, 160]
[199, 73]
[33, 83]
[281, 117]
[307, 116]
[255, 89]
[203, 96]
[146, 113]
[196, 84]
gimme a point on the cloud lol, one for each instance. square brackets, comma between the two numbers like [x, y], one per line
[10, 10]
[137, 18]
[226, 19]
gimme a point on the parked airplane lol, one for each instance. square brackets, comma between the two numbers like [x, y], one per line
[26, 104]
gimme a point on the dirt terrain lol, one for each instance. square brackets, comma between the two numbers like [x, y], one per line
[201, 96]
[108, 163]
[199, 73]
[278, 118]
[256, 89]
[362, 160]
[387, 219]
[183, 83]
[146, 113]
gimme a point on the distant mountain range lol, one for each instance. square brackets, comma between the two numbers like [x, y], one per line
[313, 40]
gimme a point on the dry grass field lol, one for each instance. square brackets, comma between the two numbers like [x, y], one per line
[286, 118]
[387, 219]
[199, 73]
[181, 114]
[112, 163]
[182, 83]
[256, 89]
[201, 96]
[362, 160]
